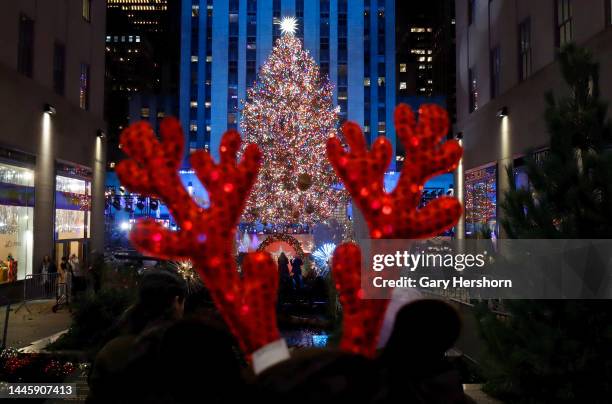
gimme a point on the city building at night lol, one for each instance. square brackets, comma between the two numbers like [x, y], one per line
[142, 51]
[505, 65]
[52, 151]
[224, 42]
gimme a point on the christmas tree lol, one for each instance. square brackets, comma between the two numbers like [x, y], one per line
[289, 114]
[559, 350]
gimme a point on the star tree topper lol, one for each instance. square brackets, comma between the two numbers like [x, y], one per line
[288, 25]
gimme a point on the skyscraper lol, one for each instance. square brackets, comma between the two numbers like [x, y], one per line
[224, 42]
[141, 70]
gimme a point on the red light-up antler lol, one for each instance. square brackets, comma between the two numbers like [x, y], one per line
[392, 214]
[206, 235]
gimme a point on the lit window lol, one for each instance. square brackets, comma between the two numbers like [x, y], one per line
[366, 81]
[402, 67]
[144, 112]
[207, 104]
[422, 67]
[137, 38]
[108, 38]
[429, 59]
[86, 10]
[381, 127]
[402, 85]
[193, 126]
[564, 22]
[209, 59]
[381, 81]
[194, 58]
[84, 87]
[421, 58]
[193, 104]
[161, 114]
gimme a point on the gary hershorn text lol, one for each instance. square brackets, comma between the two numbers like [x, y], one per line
[427, 282]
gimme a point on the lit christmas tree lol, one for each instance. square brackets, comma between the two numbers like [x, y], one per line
[289, 114]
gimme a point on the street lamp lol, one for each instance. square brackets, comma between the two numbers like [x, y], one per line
[50, 109]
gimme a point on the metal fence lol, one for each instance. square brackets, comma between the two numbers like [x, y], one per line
[46, 286]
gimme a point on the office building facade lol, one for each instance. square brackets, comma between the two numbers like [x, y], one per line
[224, 43]
[505, 65]
[52, 151]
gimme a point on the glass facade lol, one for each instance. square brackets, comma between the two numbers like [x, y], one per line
[16, 222]
[480, 201]
[72, 208]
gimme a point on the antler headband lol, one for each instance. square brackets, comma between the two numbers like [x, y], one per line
[392, 214]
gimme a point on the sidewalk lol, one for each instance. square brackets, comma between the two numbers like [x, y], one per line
[39, 323]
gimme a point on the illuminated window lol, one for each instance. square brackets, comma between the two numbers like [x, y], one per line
[193, 104]
[86, 10]
[144, 112]
[564, 22]
[209, 59]
[84, 87]
[193, 126]
[402, 85]
[381, 81]
[402, 67]
[366, 81]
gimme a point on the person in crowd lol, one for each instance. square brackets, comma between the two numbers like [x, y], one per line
[74, 264]
[62, 279]
[47, 271]
[283, 273]
[414, 358]
[296, 272]
[161, 300]
[193, 361]
[65, 266]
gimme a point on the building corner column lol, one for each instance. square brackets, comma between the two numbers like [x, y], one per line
[96, 244]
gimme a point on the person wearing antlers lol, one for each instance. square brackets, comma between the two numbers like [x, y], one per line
[247, 302]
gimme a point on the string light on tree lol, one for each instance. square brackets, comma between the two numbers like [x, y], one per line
[289, 114]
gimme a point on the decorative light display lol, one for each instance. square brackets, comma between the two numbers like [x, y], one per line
[393, 214]
[289, 114]
[292, 241]
[480, 197]
[206, 235]
[322, 257]
[185, 269]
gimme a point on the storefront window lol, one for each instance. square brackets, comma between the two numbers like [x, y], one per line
[16, 222]
[72, 207]
[480, 201]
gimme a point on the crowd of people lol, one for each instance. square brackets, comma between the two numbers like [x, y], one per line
[168, 349]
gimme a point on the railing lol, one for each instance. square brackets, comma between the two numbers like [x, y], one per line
[46, 286]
